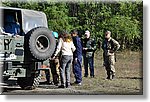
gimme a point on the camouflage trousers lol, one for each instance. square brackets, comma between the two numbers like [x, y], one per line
[54, 64]
[109, 65]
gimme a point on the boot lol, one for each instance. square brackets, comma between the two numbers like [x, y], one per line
[108, 75]
[113, 76]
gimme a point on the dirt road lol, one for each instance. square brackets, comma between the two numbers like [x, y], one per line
[46, 90]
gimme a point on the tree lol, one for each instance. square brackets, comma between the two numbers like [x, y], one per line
[124, 29]
[57, 17]
[123, 19]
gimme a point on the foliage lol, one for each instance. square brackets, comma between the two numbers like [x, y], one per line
[123, 19]
[124, 29]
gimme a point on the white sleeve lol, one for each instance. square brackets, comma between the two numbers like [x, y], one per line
[58, 46]
[73, 47]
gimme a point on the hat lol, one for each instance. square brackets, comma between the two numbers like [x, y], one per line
[108, 31]
[55, 34]
[87, 32]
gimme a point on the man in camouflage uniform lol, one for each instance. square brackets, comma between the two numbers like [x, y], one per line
[109, 46]
[89, 47]
[54, 63]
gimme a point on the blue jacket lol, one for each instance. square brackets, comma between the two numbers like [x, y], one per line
[77, 42]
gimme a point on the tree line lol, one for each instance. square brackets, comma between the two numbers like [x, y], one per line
[123, 18]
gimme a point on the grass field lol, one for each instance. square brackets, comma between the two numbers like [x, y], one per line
[128, 80]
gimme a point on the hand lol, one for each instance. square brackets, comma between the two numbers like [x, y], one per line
[75, 60]
[84, 48]
[53, 58]
[110, 53]
[17, 36]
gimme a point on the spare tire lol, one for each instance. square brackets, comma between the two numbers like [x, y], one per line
[41, 43]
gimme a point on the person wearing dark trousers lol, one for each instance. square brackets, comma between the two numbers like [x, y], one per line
[77, 58]
[89, 47]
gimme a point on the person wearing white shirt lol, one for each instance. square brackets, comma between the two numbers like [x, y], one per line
[66, 47]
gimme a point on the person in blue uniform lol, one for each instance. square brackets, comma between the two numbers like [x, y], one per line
[77, 58]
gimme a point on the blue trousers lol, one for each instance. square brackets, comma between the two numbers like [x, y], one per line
[88, 61]
[77, 69]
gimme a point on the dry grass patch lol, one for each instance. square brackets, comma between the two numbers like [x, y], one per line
[129, 75]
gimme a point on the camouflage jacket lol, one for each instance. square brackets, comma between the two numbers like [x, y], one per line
[90, 44]
[110, 46]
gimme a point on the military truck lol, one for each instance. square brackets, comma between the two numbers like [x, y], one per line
[21, 54]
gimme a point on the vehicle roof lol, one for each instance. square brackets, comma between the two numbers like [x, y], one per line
[9, 8]
[30, 17]
[13, 8]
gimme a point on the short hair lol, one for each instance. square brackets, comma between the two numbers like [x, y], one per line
[75, 32]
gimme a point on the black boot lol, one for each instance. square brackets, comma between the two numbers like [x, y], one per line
[108, 75]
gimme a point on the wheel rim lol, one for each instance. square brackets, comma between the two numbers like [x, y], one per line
[42, 43]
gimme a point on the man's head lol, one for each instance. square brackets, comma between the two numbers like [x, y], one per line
[107, 34]
[87, 34]
[74, 33]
